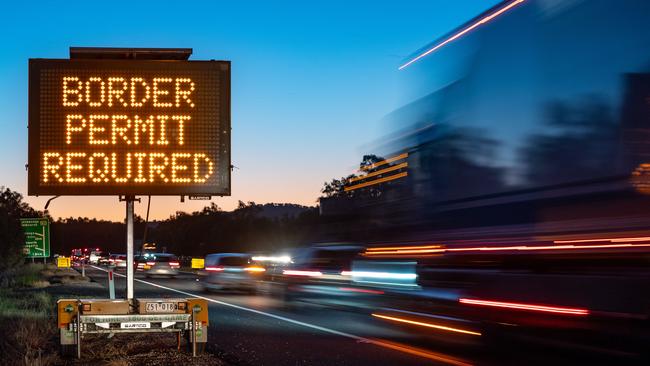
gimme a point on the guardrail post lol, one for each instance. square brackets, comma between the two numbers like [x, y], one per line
[193, 331]
[79, 307]
[111, 285]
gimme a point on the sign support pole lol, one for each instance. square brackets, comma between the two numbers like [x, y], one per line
[129, 247]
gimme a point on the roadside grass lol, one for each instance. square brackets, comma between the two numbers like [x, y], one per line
[27, 316]
[25, 304]
[26, 324]
[29, 275]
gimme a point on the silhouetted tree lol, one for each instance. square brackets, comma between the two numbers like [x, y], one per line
[12, 238]
[336, 188]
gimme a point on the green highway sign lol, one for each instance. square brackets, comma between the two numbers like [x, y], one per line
[37, 237]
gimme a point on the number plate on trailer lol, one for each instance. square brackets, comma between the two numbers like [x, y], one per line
[135, 325]
[161, 307]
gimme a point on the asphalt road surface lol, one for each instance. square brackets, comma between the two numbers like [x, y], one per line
[250, 329]
[258, 329]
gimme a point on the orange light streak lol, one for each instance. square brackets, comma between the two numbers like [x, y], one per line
[428, 325]
[419, 352]
[400, 248]
[386, 161]
[530, 307]
[376, 181]
[463, 32]
[390, 169]
[550, 247]
[613, 240]
[426, 250]
[254, 269]
[406, 251]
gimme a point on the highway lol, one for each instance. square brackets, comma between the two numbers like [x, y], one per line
[256, 329]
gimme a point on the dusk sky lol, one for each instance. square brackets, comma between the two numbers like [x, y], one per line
[310, 81]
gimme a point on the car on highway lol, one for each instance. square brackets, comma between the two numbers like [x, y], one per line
[321, 272]
[157, 264]
[94, 256]
[117, 261]
[231, 271]
[103, 260]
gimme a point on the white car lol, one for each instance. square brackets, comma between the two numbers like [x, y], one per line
[117, 261]
[94, 257]
[234, 271]
[158, 264]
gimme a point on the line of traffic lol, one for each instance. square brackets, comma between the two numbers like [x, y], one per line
[381, 343]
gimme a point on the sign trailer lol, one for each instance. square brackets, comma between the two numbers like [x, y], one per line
[127, 122]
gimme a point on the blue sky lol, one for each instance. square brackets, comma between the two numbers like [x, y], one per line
[310, 80]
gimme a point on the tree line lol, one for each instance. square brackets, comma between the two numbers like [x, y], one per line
[250, 227]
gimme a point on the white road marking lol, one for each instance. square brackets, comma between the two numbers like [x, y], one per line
[396, 347]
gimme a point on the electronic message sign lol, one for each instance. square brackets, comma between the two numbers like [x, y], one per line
[129, 127]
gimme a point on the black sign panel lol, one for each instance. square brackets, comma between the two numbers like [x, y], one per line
[129, 127]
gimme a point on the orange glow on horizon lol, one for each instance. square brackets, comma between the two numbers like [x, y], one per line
[162, 207]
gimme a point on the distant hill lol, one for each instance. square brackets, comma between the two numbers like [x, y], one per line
[279, 210]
